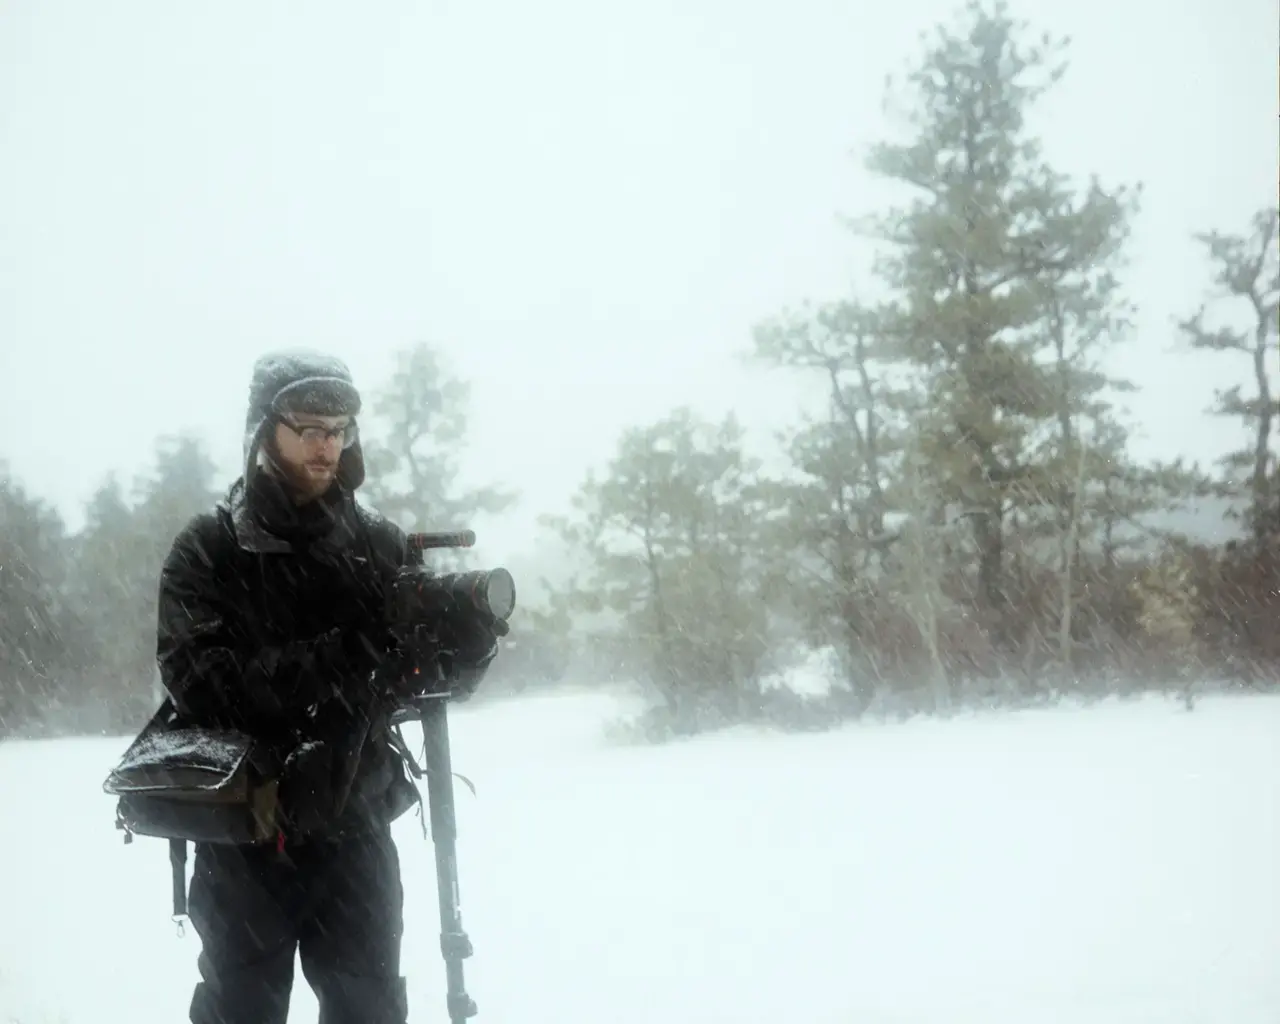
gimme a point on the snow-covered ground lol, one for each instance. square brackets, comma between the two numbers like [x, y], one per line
[1117, 865]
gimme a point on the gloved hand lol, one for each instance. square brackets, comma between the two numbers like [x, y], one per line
[365, 652]
[341, 660]
[467, 647]
[456, 655]
[306, 787]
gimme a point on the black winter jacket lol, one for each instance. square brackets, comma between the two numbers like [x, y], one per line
[271, 621]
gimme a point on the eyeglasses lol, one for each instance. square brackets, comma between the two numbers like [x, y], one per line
[314, 434]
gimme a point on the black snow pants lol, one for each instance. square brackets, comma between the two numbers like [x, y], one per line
[337, 904]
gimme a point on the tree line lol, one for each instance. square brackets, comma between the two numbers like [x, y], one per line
[961, 519]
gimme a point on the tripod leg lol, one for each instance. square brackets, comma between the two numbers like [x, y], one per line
[455, 945]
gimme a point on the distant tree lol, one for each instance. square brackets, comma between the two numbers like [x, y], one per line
[180, 483]
[671, 536]
[1246, 272]
[414, 439]
[40, 638]
[831, 536]
[111, 586]
[1237, 600]
[115, 583]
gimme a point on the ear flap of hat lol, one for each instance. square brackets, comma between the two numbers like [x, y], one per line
[255, 433]
[351, 467]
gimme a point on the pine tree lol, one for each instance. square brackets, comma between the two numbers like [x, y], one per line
[670, 535]
[1246, 273]
[414, 447]
[830, 536]
[40, 638]
[1000, 269]
[115, 584]
[112, 583]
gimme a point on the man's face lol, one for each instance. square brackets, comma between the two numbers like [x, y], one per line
[308, 448]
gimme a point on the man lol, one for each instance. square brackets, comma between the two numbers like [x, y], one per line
[272, 622]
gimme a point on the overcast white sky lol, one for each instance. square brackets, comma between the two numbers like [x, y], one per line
[586, 205]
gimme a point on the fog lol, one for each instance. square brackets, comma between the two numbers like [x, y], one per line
[585, 207]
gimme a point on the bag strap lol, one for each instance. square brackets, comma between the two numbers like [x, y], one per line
[178, 864]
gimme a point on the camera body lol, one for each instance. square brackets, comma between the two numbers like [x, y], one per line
[420, 600]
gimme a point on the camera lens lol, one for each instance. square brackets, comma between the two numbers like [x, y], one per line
[500, 593]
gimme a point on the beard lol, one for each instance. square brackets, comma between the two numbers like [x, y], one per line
[306, 480]
[311, 479]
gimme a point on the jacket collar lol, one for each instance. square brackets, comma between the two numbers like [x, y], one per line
[252, 536]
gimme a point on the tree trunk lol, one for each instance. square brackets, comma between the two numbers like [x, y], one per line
[1266, 411]
[1070, 554]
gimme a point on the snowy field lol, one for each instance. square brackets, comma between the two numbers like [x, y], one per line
[1118, 865]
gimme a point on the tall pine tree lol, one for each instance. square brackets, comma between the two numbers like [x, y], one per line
[997, 263]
